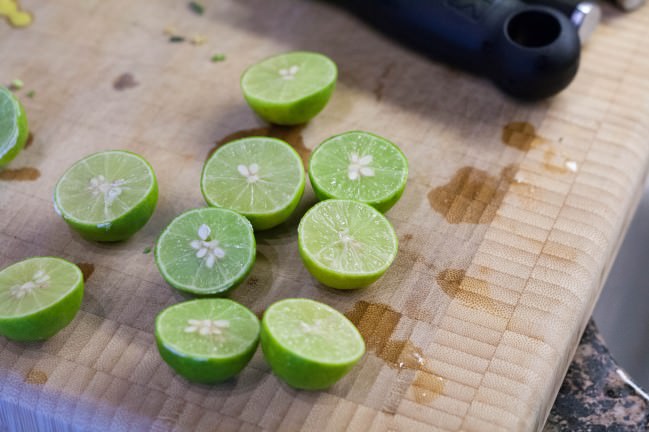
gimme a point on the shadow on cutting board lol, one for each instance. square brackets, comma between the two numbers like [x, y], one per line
[371, 62]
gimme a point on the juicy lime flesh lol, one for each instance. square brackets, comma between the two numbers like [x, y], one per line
[13, 127]
[206, 250]
[348, 237]
[254, 176]
[208, 328]
[104, 187]
[35, 284]
[289, 77]
[314, 331]
[358, 166]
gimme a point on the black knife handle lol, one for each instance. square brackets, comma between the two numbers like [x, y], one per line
[529, 51]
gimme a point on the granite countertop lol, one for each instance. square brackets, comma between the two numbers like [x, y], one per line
[597, 395]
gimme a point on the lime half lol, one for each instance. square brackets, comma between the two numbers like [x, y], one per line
[207, 340]
[290, 88]
[359, 166]
[260, 178]
[309, 344]
[346, 244]
[38, 297]
[13, 127]
[107, 196]
[206, 251]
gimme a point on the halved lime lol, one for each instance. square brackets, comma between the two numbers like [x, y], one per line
[107, 196]
[359, 166]
[290, 88]
[38, 297]
[207, 340]
[309, 344]
[346, 244]
[206, 251]
[258, 177]
[13, 127]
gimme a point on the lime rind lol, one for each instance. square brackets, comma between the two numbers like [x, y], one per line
[359, 166]
[180, 244]
[35, 281]
[225, 332]
[279, 96]
[268, 84]
[236, 337]
[14, 129]
[135, 187]
[135, 195]
[237, 176]
[338, 342]
[346, 244]
[290, 329]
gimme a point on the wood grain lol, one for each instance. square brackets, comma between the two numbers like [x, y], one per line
[503, 247]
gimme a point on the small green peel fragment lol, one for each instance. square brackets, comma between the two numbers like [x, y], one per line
[16, 84]
[197, 8]
[217, 58]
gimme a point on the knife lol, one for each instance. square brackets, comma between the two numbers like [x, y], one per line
[530, 51]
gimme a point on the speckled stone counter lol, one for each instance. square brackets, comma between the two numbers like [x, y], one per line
[597, 395]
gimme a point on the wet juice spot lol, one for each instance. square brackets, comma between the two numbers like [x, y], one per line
[520, 135]
[87, 269]
[472, 195]
[36, 376]
[20, 174]
[472, 292]
[124, 82]
[427, 387]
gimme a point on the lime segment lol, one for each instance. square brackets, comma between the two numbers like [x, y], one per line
[207, 340]
[38, 297]
[290, 88]
[346, 244]
[206, 251]
[107, 196]
[359, 166]
[260, 178]
[13, 127]
[309, 344]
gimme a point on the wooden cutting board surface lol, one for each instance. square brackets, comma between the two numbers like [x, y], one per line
[507, 228]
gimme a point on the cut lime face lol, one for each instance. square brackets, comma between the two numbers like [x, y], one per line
[207, 340]
[309, 344]
[260, 178]
[346, 244]
[13, 127]
[359, 166]
[107, 196]
[290, 88]
[38, 297]
[206, 251]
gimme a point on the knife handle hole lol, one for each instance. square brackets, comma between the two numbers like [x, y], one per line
[533, 28]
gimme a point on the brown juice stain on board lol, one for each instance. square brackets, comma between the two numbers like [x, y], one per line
[125, 81]
[377, 322]
[550, 160]
[35, 376]
[472, 292]
[427, 387]
[30, 140]
[290, 134]
[87, 269]
[520, 135]
[20, 174]
[472, 195]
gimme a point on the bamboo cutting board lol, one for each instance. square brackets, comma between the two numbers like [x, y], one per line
[507, 228]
